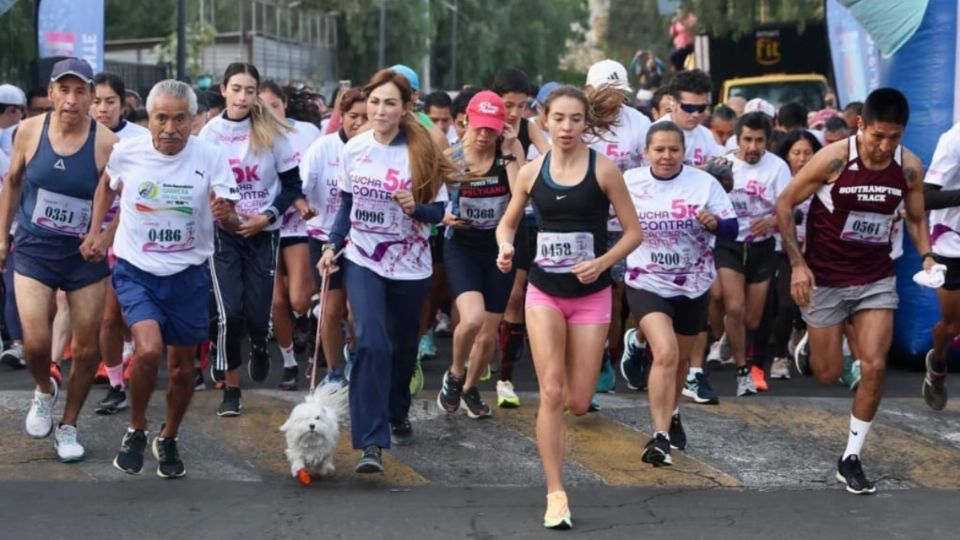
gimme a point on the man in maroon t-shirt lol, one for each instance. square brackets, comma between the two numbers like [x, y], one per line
[846, 271]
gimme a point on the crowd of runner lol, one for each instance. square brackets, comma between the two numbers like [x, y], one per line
[601, 232]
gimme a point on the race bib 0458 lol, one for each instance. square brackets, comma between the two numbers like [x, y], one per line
[559, 252]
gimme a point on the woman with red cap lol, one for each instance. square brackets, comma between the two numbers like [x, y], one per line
[487, 160]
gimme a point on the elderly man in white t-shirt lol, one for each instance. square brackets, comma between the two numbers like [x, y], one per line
[174, 190]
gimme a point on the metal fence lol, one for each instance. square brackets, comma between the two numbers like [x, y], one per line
[139, 77]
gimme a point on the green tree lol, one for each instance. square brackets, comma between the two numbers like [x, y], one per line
[739, 17]
[17, 43]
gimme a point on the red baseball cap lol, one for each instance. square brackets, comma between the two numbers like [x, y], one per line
[485, 110]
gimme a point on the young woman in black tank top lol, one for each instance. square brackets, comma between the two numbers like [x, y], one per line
[568, 300]
[488, 162]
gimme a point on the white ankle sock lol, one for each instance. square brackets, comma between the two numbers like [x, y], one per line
[693, 372]
[856, 436]
[289, 360]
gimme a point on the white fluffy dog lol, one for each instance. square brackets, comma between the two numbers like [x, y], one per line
[313, 430]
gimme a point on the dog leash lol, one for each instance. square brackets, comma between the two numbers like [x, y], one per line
[324, 289]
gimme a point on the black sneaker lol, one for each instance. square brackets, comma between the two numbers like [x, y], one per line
[657, 452]
[114, 402]
[449, 397]
[169, 464]
[130, 457]
[474, 405]
[401, 433]
[258, 367]
[218, 377]
[850, 472]
[301, 334]
[370, 461]
[678, 437]
[230, 406]
[199, 383]
[289, 381]
[699, 390]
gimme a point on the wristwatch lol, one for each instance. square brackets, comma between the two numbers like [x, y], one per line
[271, 216]
[328, 245]
[928, 254]
[508, 157]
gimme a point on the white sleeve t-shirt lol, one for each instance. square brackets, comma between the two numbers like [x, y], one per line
[755, 191]
[675, 257]
[700, 144]
[624, 144]
[944, 171]
[166, 224]
[319, 170]
[301, 138]
[256, 173]
[383, 239]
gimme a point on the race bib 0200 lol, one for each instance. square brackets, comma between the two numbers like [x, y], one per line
[62, 214]
[559, 252]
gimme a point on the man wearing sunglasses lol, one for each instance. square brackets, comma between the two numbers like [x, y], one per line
[691, 93]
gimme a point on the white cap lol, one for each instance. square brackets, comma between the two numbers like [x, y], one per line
[610, 73]
[11, 95]
[761, 105]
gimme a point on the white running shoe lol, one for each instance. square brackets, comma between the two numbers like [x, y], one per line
[713, 357]
[745, 385]
[39, 421]
[66, 444]
[506, 397]
[444, 326]
[780, 369]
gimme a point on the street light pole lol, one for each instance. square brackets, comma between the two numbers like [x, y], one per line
[181, 40]
[382, 53]
[453, 45]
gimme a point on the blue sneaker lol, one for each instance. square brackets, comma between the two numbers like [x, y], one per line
[335, 377]
[594, 404]
[631, 362]
[427, 347]
[608, 377]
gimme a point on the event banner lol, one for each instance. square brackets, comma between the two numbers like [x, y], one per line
[856, 58]
[71, 28]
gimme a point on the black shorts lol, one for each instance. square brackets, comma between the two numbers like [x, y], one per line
[287, 241]
[436, 244]
[336, 278]
[524, 246]
[689, 315]
[757, 261]
[952, 277]
[475, 269]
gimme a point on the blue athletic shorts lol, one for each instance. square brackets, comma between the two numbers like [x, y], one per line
[475, 269]
[55, 261]
[179, 303]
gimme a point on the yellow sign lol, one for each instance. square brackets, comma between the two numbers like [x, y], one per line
[768, 50]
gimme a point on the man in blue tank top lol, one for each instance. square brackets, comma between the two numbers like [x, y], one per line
[56, 164]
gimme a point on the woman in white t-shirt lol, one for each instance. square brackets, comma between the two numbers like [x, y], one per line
[293, 285]
[391, 182]
[264, 161]
[116, 343]
[319, 169]
[681, 210]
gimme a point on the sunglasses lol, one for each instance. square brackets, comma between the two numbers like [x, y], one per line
[690, 108]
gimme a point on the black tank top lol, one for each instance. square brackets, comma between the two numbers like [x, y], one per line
[573, 223]
[523, 135]
[483, 201]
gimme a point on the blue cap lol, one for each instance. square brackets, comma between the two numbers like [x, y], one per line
[545, 91]
[72, 66]
[410, 75]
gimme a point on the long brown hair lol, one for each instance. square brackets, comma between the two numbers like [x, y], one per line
[263, 123]
[602, 106]
[428, 165]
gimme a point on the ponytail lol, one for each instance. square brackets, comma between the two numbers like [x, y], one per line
[264, 125]
[601, 105]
